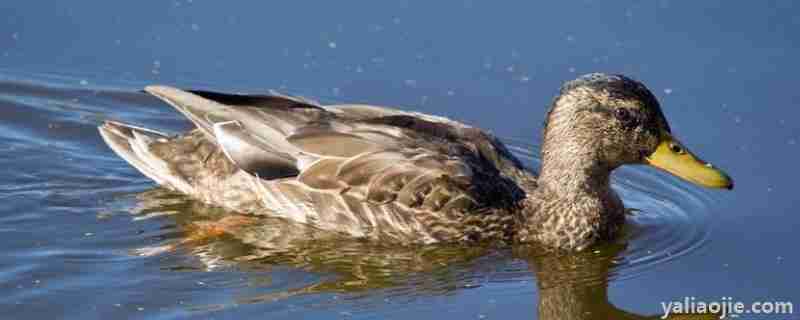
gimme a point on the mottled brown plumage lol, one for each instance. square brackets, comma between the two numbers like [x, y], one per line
[403, 177]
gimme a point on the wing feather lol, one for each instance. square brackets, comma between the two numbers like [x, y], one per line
[378, 156]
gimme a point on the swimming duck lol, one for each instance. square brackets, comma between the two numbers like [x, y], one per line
[408, 178]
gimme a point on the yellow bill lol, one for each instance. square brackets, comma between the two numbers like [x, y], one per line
[671, 156]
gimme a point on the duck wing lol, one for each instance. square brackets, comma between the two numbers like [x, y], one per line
[250, 129]
[308, 153]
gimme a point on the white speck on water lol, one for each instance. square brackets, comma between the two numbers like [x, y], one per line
[487, 66]
[510, 69]
[195, 27]
[332, 45]
[451, 93]
[336, 91]
[88, 234]
[410, 82]
[376, 28]
[140, 308]
[84, 82]
[359, 69]
[570, 38]
[201, 283]
[572, 69]
[524, 78]
[423, 100]
[792, 141]
[37, 281]
[481, 316]
[737, 119]
[156, 67]
[396, 20]
[743, 148]
[668, 91]
[769, 189]
[629, 13]
[118, 42]
[514, 54]
[346, 313]
[15, 36]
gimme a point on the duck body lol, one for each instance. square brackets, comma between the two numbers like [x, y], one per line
[363, 171]
[409, 178]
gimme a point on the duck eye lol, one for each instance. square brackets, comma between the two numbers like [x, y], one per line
[625, 116]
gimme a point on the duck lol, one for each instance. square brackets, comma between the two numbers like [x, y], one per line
[406, 178]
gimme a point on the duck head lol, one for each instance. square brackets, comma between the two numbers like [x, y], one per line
[598, 123]
[605, 121]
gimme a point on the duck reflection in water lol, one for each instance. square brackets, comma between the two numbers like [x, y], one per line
[570, 286]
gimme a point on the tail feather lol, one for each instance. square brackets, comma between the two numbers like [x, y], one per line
[132, 144]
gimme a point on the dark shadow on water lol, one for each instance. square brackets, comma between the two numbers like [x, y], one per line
[569, 286]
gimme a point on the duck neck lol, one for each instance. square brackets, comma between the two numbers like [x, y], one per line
[572, 168]
[573, 205]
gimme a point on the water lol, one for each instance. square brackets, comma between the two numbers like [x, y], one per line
[86, 236]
